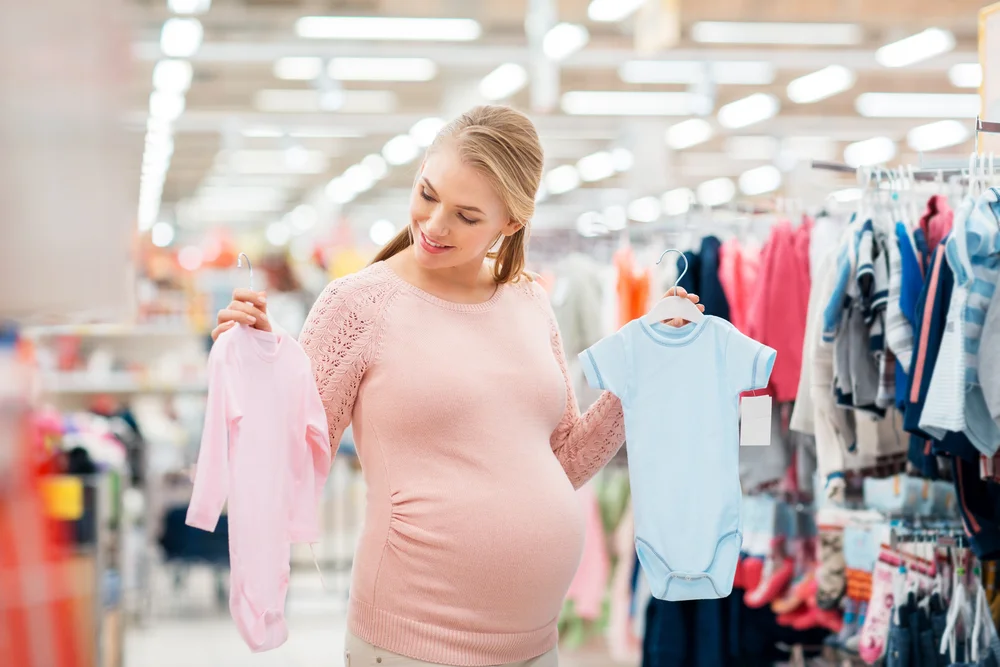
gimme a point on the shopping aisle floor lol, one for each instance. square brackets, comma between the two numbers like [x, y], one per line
[184, 629]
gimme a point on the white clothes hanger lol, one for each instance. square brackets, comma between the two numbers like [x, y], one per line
[239, 263]
[674, 307]
[958, 610]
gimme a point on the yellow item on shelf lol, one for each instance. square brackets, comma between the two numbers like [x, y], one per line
[63, 497]
[345, 262]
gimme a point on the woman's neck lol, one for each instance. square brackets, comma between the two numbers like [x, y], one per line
[471, 283]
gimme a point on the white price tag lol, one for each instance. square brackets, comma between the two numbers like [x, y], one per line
[755, 421]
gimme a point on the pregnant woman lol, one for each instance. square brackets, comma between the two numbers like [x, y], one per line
[446, 358]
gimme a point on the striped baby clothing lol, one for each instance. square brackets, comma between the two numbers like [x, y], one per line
[944, 410]
[982, 241]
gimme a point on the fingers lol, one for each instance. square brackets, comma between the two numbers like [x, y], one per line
[238, 315]
[257, 299]
[257, 314]
[222, 328]
[701, 307]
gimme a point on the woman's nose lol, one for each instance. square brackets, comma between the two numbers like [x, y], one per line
[436, 223]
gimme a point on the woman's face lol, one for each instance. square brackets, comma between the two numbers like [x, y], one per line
[455, 214]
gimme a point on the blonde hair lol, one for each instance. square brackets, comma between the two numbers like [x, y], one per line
[503, 145]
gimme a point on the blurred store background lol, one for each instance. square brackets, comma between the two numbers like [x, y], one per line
[144, 145]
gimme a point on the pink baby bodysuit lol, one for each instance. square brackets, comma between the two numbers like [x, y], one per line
[266, 448]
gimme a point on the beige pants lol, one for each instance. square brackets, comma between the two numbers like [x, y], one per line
[359, 653]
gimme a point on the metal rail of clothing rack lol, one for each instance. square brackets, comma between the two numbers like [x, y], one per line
[926, 171]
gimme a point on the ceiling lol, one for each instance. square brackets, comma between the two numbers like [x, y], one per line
[250, 147]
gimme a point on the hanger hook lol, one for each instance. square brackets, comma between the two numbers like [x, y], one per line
[239, 263]
[682, 256]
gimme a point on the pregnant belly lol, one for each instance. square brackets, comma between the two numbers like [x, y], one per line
[495, 556]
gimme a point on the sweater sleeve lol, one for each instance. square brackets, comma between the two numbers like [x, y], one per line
[341, 338]
[582, 443]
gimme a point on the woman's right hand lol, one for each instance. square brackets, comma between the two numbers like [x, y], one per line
[247, 307]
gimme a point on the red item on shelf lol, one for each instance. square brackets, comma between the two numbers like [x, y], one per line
[770, 588]
[753, 568]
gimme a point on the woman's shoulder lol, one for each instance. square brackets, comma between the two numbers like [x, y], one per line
[364, 292]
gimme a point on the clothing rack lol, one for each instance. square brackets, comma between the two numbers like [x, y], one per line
[926, 171]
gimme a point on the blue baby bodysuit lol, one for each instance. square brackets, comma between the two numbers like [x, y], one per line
[680, 389]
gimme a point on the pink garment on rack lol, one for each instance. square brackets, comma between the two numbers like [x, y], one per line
[266, 449]
[623, 646]
[591, 581]
[777, 316]
[937, 220]
[738, 267]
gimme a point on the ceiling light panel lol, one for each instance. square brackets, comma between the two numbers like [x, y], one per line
[181, 38]
[677, 202]
[877, 150]
[941, 134]
[388, 28]
[918, 105]
[645, 209]
[612, 11]
[631, 103]
[748, 111]
[306, 101]
[189, 6]
[821, 84]
[716, 192]
[966, 75]
[400, 150]
[562, 179]
[760, 180]
[596, 167]
[813, 34]
[563, 40]
[172, 76]
[749, 73]
[382, 69]
[916, 48]
[298, 68]
[503, 82]
[688, 133]
[425, 131]
[277, 162]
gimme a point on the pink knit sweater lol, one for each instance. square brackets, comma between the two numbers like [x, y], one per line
[471, 446]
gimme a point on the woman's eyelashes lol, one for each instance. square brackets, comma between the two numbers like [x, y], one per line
[427, 197]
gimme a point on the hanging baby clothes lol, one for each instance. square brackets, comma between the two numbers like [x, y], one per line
[702, 277]
[576, 295]
[265, 448]
[738, 267]
[778, 314]
[680, 390]
[632, 287]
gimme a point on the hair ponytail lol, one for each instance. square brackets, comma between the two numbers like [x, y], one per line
[509, 259]
[398, 244]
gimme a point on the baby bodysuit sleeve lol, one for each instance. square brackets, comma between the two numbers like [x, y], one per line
[748, 363]
[604, 364]
[211, 483]
[312, 465]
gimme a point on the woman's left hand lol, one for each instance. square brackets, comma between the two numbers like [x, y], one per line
[681, 292]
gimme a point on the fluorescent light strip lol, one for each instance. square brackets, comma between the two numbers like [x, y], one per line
[677, 202]
[181, 38]
[716, 192]
[295, 68]
[821, 84]
[382, 69]
[966, 75]
[688, 133]
[877, 150]
[748, 111]
[916, 48]
[645, 209]
[918, 105]
[631, 103]
[596, 167]
[813, 34]
[503, 82]
[760, 180]
[305, 101]
[388, 28]
[562, 179]
[612, 11]
[563, 40]
[749, 73]
[937, 135]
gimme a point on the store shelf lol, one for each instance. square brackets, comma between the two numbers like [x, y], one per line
[116, 383]
[114, 330]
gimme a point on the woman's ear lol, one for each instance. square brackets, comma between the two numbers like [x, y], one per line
[512, 227]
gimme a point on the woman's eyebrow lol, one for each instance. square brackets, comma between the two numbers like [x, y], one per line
[466, 208]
